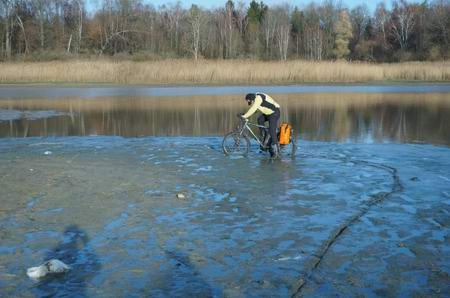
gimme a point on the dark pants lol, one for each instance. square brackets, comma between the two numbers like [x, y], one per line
[273, 124]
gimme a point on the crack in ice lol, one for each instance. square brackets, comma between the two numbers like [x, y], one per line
[375, 199]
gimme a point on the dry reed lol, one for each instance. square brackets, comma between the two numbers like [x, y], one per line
[220, 72]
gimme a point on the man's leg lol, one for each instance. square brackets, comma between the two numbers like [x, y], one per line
[273, 124]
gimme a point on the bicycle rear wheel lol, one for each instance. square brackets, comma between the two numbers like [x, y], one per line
[291, 148]
[235, 143]
[293, 145]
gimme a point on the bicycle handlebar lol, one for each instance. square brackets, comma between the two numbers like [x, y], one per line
[242, 118]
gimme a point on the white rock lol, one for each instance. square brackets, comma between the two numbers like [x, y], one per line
[49, 267]
[181, 196]
[47, 152]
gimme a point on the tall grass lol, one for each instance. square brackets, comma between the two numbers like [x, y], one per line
[219, 72]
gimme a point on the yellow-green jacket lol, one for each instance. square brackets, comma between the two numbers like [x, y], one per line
[264, 103]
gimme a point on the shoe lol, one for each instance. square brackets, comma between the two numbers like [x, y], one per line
[274, 151]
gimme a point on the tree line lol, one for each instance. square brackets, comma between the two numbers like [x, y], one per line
[55, 29]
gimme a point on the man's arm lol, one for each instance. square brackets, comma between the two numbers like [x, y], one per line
[254, 107]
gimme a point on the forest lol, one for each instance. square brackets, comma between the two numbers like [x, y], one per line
[44, 30]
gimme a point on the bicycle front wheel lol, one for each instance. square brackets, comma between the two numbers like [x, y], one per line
[235, 143]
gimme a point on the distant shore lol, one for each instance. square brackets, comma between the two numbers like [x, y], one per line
[220, 72]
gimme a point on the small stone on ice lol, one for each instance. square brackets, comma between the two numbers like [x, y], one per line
[181, 196]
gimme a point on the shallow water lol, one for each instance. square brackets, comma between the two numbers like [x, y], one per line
[248, 227]
[363, 209]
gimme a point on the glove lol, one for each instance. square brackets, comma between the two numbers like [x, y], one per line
[241, 116]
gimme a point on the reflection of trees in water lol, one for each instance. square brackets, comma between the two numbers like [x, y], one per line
[74, 251]
[412, 123]
[381, 121]
[401, 117]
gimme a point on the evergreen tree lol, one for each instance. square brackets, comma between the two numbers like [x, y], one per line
[343, 35]
[255, 16]
[256, 12]
[298, 28]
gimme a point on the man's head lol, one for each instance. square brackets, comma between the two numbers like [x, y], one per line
[250, 98]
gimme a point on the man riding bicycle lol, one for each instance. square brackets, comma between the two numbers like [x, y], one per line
[270, 112]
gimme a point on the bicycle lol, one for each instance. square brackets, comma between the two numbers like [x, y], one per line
[238, 141]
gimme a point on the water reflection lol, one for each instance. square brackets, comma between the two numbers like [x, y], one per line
[341, 117]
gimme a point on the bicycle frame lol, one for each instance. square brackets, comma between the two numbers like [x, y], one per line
[245, 126]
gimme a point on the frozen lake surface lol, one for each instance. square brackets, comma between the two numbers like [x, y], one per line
[342, 219]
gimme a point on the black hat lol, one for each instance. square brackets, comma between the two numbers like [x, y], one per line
[250, 97]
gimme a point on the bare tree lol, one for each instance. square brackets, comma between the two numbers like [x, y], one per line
[314, 45]
[229, 25]
[40, 7]
[7, 7]
[381, 21]
[211, 40]
[220, 22]
[402, 23]
[328, 15]
[22, 28]
[359, 17]
[314, 34]
[283, 30]
[440, 21]
[172, 15]
[80, 4]
[73, 15]
[195, 21]
[269, 26]
[13, 11]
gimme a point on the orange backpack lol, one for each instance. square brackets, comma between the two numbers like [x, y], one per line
[285, 133]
